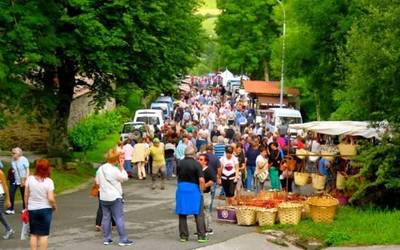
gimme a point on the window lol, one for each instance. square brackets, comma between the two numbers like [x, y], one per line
[151, 120]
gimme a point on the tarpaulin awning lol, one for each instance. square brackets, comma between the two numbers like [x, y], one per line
[352, 128]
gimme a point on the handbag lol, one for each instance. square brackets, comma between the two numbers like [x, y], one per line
[262, 176]
[94, 191]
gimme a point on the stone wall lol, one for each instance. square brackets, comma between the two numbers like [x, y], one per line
[81, 107]
[33, 136]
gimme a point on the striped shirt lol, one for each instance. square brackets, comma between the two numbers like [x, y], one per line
[219, 150]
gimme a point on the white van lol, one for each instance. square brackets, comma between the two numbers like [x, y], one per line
[150, 117]
[280, 118]
[164, 107]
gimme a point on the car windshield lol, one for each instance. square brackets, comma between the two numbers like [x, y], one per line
[149, 120]
[164, 110]
[290, 120]
[129, 127]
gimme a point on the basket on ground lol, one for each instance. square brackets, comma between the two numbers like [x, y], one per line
[300, 179]
[322, 208]
[246, 216]
[226, 214]
[318, 181]
[290, 212]
[266, 216]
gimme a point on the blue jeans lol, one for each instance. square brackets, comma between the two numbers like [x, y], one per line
[13, 190]
[115, 210]
[250, 177]
[128, 166]
[212, 193]
[170, 166]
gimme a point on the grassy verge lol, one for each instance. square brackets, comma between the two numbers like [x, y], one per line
[351, 227]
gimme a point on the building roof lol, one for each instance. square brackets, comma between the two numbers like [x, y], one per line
[268, 88]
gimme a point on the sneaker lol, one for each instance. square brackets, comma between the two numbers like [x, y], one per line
[210, 232]
[8, 234]
[153, 186]
[126, 243]
[248, 190]
[10, 212]
[183, 239]
[108, 242]
[203, 240]
[173, 176]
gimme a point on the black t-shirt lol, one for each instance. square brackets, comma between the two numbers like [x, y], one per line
[213, 162]
[230, 133]
[189, 170]
[209, 175]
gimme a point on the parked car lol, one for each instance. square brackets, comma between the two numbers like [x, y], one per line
[135, 129]
[153, 117]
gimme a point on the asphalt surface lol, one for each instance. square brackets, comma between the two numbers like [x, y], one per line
[149, 215]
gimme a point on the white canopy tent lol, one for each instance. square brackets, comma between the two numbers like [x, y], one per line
[226, 76]
[351, 128]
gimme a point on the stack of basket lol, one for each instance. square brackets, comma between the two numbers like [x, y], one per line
[322, 208]
[290, 212]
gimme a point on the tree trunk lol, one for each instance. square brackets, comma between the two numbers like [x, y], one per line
[318, 105]
[58, 132]
[266, 71]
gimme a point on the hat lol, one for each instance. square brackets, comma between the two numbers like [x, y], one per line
[156, 140]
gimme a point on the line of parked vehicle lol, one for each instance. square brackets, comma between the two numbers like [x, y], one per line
[145, 120]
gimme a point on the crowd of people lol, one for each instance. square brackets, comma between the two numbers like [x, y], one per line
[212, 145]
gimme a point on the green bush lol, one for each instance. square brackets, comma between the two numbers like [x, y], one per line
[378, 183]
[96, 127]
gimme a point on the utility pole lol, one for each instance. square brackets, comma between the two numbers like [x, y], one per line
[283, 53]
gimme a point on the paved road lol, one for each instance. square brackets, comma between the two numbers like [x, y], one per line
[150, 222]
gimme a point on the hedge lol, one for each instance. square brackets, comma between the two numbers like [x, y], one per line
[96, 127]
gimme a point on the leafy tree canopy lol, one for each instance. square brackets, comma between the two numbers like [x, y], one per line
[46, 44]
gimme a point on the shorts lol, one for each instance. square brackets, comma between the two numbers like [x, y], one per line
[229, 185]
[157, 169]
[39, 221]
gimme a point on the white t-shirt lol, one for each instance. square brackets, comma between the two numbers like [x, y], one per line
[228, 165]
[38, 192]
[128, 152]
[261, 161]
[109, 179]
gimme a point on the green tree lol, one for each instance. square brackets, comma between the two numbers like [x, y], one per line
[46, 44]
[371, 62]
[315, 32]
[245, 32]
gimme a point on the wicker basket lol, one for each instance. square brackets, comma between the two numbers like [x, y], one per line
[330, 156]
[347, 150]
[266, 216]
[322, 208]
[246, 216]
[340, 178]
[301, 153]
[290, 213]
[318, 181]
[301, 179]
